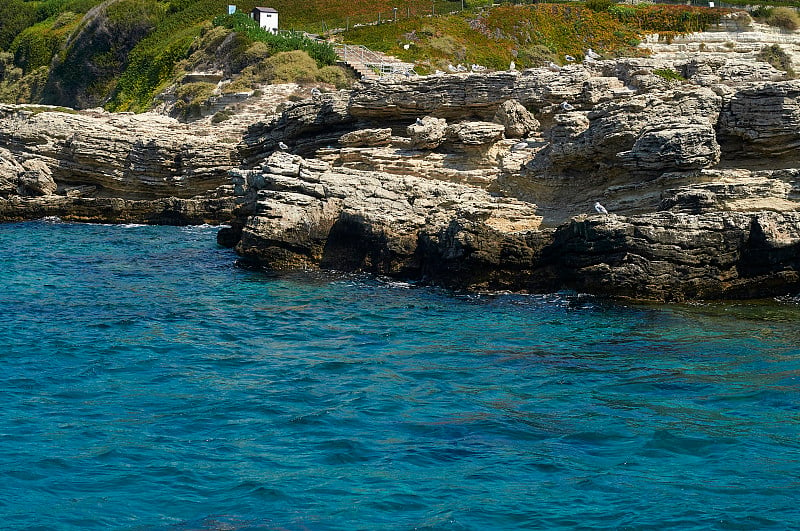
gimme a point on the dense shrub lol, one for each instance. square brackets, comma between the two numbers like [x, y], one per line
[86, 72]
[151, 63]
[667, 18]
[784, 18]
[292, 67]
[778, 58]
[37, 44]
[334, 75]
[535, 55]
[221, 116]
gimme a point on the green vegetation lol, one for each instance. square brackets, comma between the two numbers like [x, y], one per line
[38, 109]
[778, 58]
[121, 53]
[191, 97]
[221, 116]
[287, 67]
[242, 24]
[38, 44]
[669, 74]
[784, 18]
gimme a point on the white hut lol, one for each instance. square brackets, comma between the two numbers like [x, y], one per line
[266, 17]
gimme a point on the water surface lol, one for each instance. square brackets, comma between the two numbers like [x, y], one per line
[149, 383]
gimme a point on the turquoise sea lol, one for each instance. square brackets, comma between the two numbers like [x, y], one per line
[148, 382]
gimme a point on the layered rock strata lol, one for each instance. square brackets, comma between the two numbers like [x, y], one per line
[488, 181]
[95, 166]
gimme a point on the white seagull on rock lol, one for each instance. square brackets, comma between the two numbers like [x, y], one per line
[282, 146]
[519, 146]
[569, 58]
[566, 106]
[600, 208]
[591, 54]
[554, 67]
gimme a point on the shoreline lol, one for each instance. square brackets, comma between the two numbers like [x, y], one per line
[468, 181]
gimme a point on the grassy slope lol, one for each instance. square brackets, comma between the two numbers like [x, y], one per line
[529, 34]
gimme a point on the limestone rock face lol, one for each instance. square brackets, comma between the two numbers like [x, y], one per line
[475, 133]
[367, 137]
[427, 132]
[667, 147]
[764, 118]
[165, 211]
[516, 119]
[736, 190]
[658, 132]
[99, 164]
[658, 140]
[676, 257]
[300, 213]
[450, 96]
[135, 156]
[9, 173]
[316, 122]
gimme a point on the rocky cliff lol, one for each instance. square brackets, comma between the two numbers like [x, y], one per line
[96, 166]
[488, 181]
[471, 181]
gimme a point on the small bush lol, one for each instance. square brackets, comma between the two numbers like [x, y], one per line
[221, 116]
[533, 56]
[444, 45]
[784, 18]
[775, 56]
[292, 67]
[335, 76]
[761, 12]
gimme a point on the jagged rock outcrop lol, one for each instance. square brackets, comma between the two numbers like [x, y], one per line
[675, 257]
[316, 122]
[762, 120]
[654, 132]
[516, 119]
[427, 132]
[475, 133]
[627, 132]
[367, 137]
[60, 155]
[302, 213]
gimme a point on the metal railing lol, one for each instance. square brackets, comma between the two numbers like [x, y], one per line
[378, 63]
